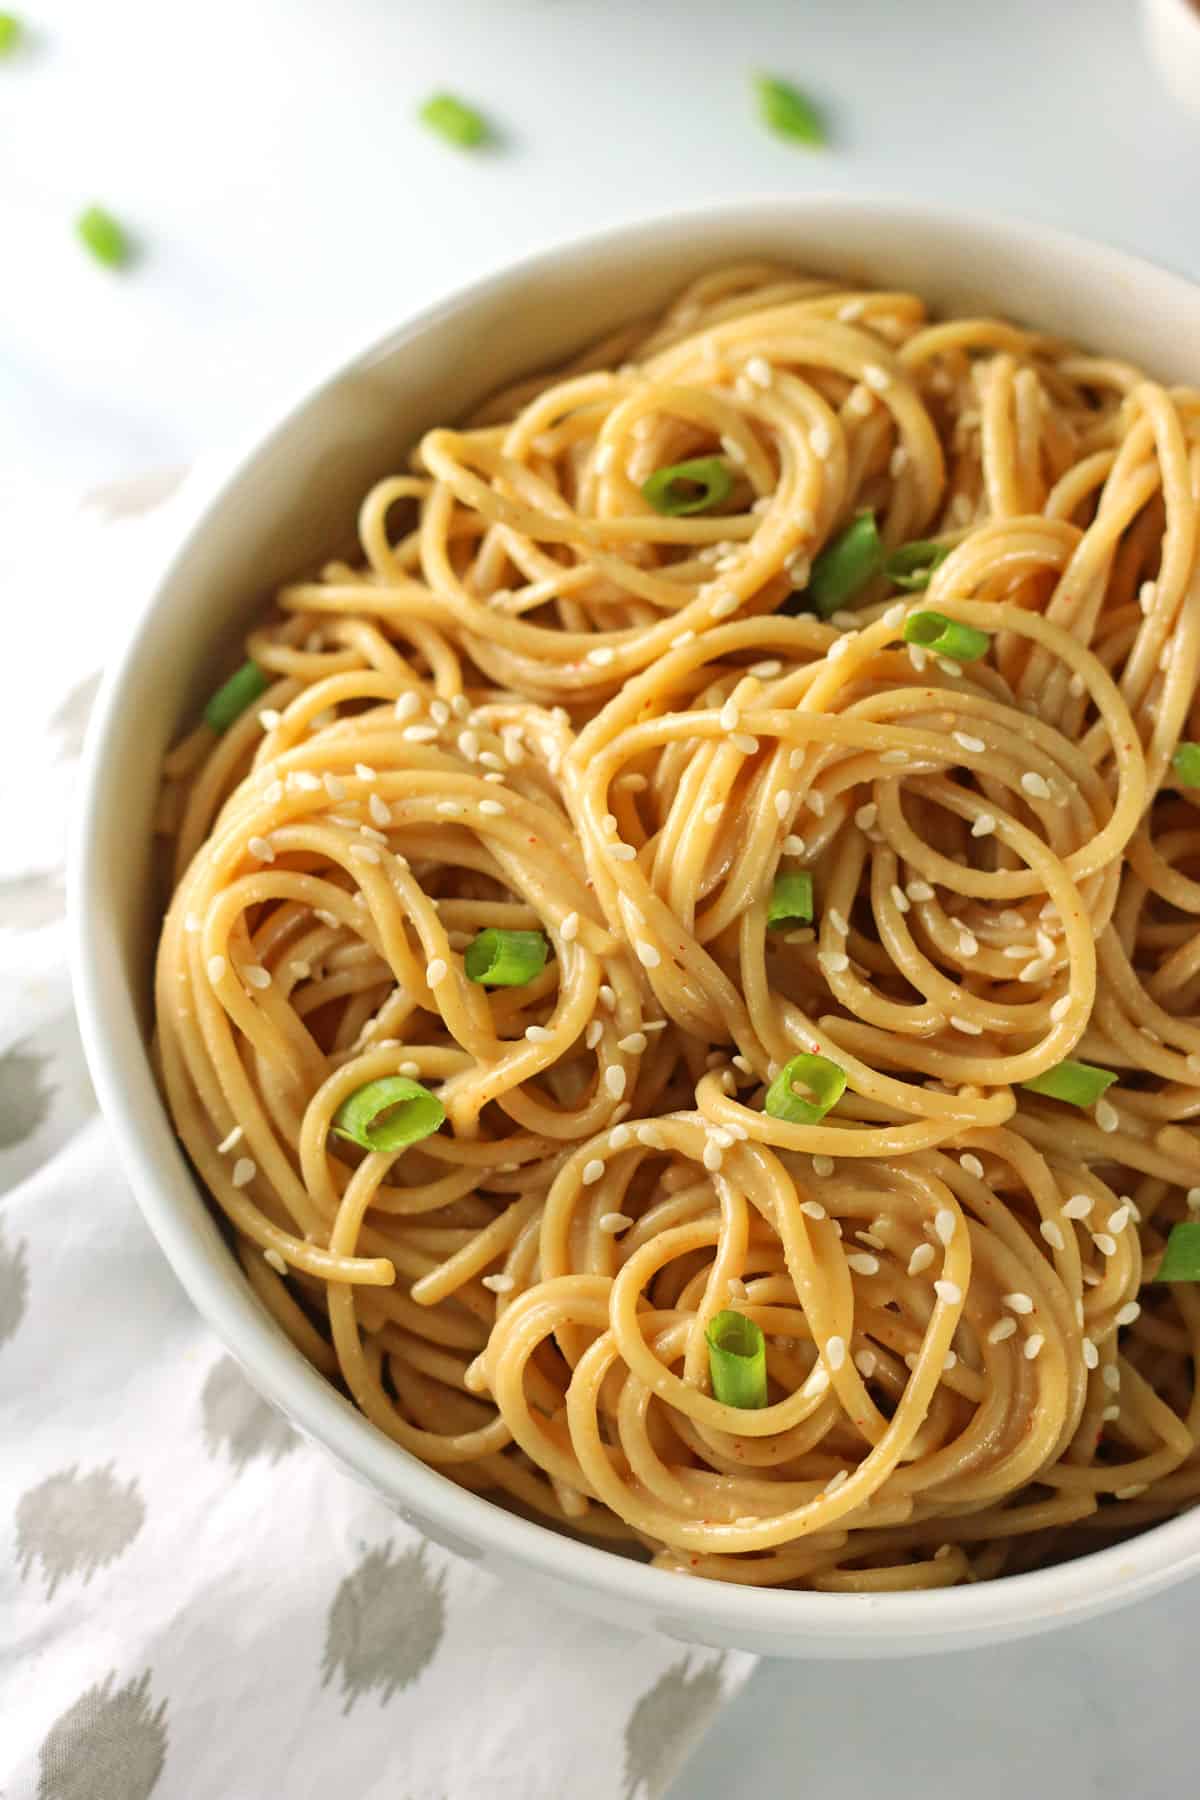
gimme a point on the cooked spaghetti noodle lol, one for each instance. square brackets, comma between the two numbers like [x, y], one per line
[544, 705]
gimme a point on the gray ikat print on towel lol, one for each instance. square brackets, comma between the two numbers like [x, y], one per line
[24, 1096]
[238, 1422]
[386, 1622]
[72, 1522]
[111, 1745]
[14, 1284]
[664, 1722]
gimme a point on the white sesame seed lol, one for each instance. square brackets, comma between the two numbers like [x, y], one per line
[366, 853]
[724, 605]
[815, 801]
[837, 920]
[1106, 1115]
[949, 1360]
[1033, 1345]
[1111, 1377]
[498, 1284]
[834, 962]
[1035, 784]
[439, 712]
[436, 971]
[606, 996]
[634, 1044]
[837, 1481]
[1052, 1233]
[684, 637]
[919, 890]
[823, 1166]
[1110, 1413]
[782, 804]
[984, 825]
[864, 1264]
[1118, 1220]
[256, 976]
[835, 1352]
[419, 734]
[948, 1291]
[275, 1261]
[260, 848]
[1132, 1491]
[1018, 1303]
[408, 705]
[651, 1137]
[742, 740]
[918, 657]
[538, 1034]
[1060, 1009]
[228, 1143]
[1035, 970]
[840, 646]
[216, 968]
[244, 1172]
[273, 793]
[794, 846]
[647, 955]
[594, 1033]
[379, 810]
[900, 899]
[767, 670]
[968, 944]
[817, 1382]
[820, 439]
[615, 1080]
[967, 1026]
[965, 741]
[712, 1157]
[593, 1171]
[714, 814]
[866, 816]
[601, 656]
[1003, 1328]
[1128, 1313]
[1106, 1245]
[304, 781]
[413, 1070]
[269, 719]
[493, 776]
[376, 837]
[1193, 1199]
[1091, 1356]
[876, 378]
[948, 666]
[326, 918]
[613, 1222]
[971, 1165]
[921, 1258]
[813, 1209]
[449, 809]
[622, 852]
[494, 810]
[758, 370]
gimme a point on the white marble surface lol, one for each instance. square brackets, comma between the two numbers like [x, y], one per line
[266, 155]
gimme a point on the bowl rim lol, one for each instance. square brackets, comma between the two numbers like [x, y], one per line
[874, 1624]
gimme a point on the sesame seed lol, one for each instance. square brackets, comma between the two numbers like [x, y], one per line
[1091, 1356]
[1106, 1245]
[840, 646]
[813, 1209]
[1111, 1377]
[269, 719]
[984, 825]
[449, 809]
[615, 1080]
[468, 743]
[1034, 971]
[259, 847]
[1128, 1313]
[921, 1258]
[651, 1137]
[1060, 1009]
[601, 656]
[766, 670]
[1033, 1346]
[273, 794]
[742, 740]
[684, 637]
[244, 1172]
[334, 786]
[783, 804]
[376, 837]
[815, 801]
[712, 1157]
[1076, 687]
[758, 369]
[1018, 1303]
[326, 918]
[439, 712]
[918, 657]
[724, 605]
[817, 1382]
[436, 971]
[794, 846]
[647, 955]
[967, 1026]
[419, 734]
[256, 975]
[1118, 1220]
[876, 378]
[228, 1143]
[948, 666]
[304, 781]
[949, 1360]
[837, 920]
[1132, 1491]
[1003, 1328]
[866, 816]
[613, 1222]
[619, 1136]
[634, 1044]
[408, 705]
[537, 1034]
[1110, 1413]
[499, 1284]
[864, 1264]
[364, 853]
[971, 1165]
[965, 741]
[216, 968]
[1193, 1199]
[622, 852]
[714, 814]
[837, 1481]
[919, 890]
[593, 1171]
[834, 962]
[412, 1070]
[606, 996]
[835, 1352]
[820, 439]
[1052, 1233]
[492, 776]
[823, 1166]
[1106, 1115]
[379, 810]
[494, 810]
[949, 1291]
[275, 1261]
[968, 944]
[1035, 784]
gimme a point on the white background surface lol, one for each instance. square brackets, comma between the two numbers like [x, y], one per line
[265, 153]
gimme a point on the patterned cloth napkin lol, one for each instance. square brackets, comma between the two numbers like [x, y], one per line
[197, 1605]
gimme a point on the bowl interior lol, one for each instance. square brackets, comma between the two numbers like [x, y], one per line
[290, 503]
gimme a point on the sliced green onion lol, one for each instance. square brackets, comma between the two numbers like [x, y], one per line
[389, 1114]
[1181, 1258]
[941, 636]
[824, 1082]
[844, 566]
[791, 901]
[788, 112]
[506, 958]
[1078, 1083]
[737, 1360]
[454, 120]
[105, 237]
[689, 487]
[911, 565]
[10, 32]
[1186, 764]
[234, 696]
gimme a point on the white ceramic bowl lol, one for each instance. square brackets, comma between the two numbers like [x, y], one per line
[291, 500]
[1173, 36]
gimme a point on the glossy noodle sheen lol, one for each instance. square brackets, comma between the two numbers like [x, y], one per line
[541, 704]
